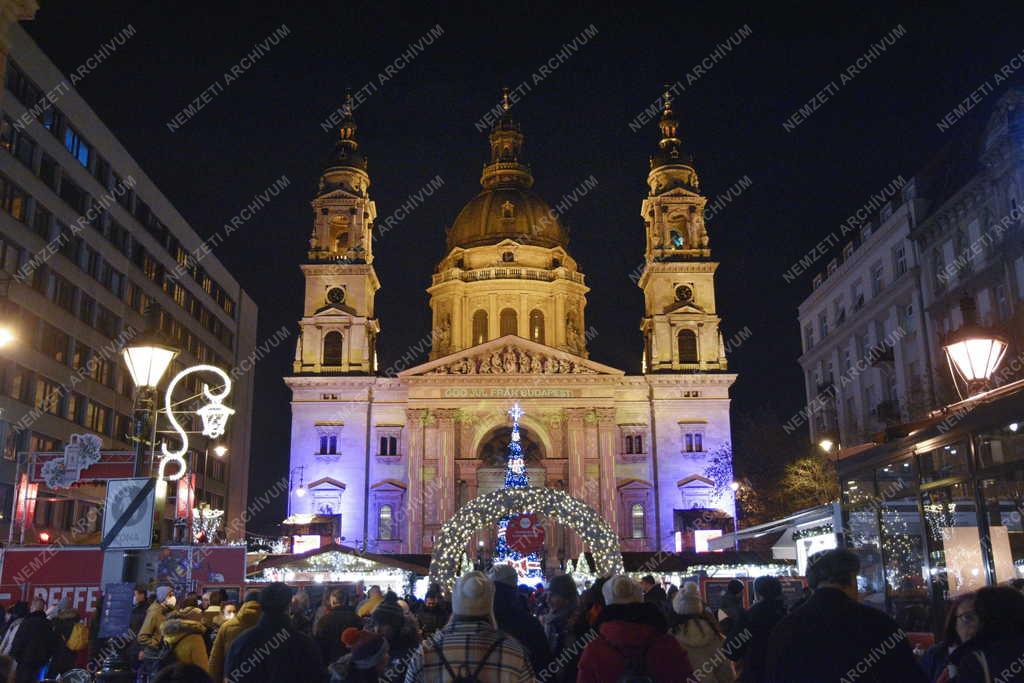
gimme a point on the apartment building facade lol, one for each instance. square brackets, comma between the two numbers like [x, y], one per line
[87, 242]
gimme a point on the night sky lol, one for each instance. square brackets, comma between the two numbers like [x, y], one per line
[420, 124]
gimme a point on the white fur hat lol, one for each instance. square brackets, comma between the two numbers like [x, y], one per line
[621, 590]
[473, 595]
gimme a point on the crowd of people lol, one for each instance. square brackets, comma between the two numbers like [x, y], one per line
[491, 629]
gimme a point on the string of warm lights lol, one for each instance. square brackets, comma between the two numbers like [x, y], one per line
[488, 509]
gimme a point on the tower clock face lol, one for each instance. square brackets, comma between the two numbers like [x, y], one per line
[335, 295]
[684, 293]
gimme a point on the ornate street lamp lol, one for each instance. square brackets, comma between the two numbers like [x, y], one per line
[147, 357]
[974, 351]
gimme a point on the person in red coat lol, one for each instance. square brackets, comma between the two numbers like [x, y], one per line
[632, 639]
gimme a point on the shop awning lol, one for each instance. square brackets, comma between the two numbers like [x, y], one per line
[302, 562]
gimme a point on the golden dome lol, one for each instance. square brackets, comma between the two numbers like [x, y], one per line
[506, 208]
[506, 213]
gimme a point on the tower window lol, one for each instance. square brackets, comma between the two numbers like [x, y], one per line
[342, 240]
[537, 326]
[509, 322]
[332, 348]
[384, 531]
[638, 519]
[677, 239]
[480, 327]
[508, 210]
[687, 346]
[508, 257]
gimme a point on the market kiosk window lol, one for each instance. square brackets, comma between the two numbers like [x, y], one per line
[903, 551]
[1001, 479]
[860, 509]
[954, 543]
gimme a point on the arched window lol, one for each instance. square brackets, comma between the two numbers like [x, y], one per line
[537, 326]
[687, 346]
[509, 322]
[342, 241]
[332, 348]
[677, 239]
[384, 523]
[480, 327]
[638, 519]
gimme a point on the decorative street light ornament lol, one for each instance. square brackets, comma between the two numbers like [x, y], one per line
[214, 415]
[206, 522]
[974, 351]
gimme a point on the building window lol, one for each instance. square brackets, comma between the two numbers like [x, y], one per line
[12, 199]
[808, 337]
[388, 445]
[480, 327]
[633, 443]
[97, 417]
[899, 260]
[384, 522]
[508, 257]
[332, 348]
[687, 340]
[638, 520]
[77, 145]
[876, 279]
[537, 326]
[55, 343]
[693, 441]
[508, 322]
[823, 324]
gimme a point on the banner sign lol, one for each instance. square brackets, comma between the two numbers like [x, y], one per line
[524, 534]
[55, 574]
[118, 600]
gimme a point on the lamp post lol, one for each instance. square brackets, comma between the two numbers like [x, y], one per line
[735, 486]
[974, 351]
[147, 357]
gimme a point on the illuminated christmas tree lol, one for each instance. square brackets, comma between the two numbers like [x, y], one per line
[527, 567]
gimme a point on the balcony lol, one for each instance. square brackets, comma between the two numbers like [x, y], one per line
[507, 273]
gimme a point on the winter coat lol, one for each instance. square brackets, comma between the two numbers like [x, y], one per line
[343, 671]
[832, 635]
[184, 632]
[1002, 656]
[433, 618]
[329, 629]
[149, 634]
[935, 660]
[556, 629]
[703, 647]
[368, 605]
[9, 634]
[627, 631]
[34, 645]
[247, 617]
[63, 657]
[273, 650]
[657, 596]
[515, 620]
[749, 636]
[731, 606]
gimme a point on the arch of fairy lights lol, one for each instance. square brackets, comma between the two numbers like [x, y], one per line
[485, 511]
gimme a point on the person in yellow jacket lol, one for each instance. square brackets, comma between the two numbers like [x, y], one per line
[248, 615]
[373, 598]
[183, 631]
[156, 613]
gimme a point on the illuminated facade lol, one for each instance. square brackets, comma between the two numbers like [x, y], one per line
[396, 456]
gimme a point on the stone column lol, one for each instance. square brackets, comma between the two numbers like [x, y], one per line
[414, 532]
[608, 447]
[576, 443]
[446, 463]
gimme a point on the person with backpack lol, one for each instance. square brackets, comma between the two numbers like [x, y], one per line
[632, 645]
[514, 619]
[699, 636]
[72, 638]
[184, 637]
[365, 661]
[340, 616]
[469, 649]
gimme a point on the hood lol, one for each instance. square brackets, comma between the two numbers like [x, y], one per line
[646, 613]
[696, 633]
[627, 634]
[176, 628]
[249, 613]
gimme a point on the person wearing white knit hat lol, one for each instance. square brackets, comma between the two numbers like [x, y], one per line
[621, 590]
[470, 646]
[633, 643]
[699, 637]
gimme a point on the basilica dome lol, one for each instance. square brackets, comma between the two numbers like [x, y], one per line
[500, 213]
[507, 207]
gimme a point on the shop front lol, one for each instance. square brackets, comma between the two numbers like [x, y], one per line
[935, 511]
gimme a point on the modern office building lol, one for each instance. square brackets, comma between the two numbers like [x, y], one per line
[87, 241]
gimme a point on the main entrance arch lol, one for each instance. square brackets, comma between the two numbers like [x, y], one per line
[488, 509]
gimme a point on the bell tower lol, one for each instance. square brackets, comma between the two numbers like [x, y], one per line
[338, 329]
[680, 324]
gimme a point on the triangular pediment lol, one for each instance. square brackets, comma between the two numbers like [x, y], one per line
[337, 193]
[511, 355]
[685, 307]
[334, 310]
